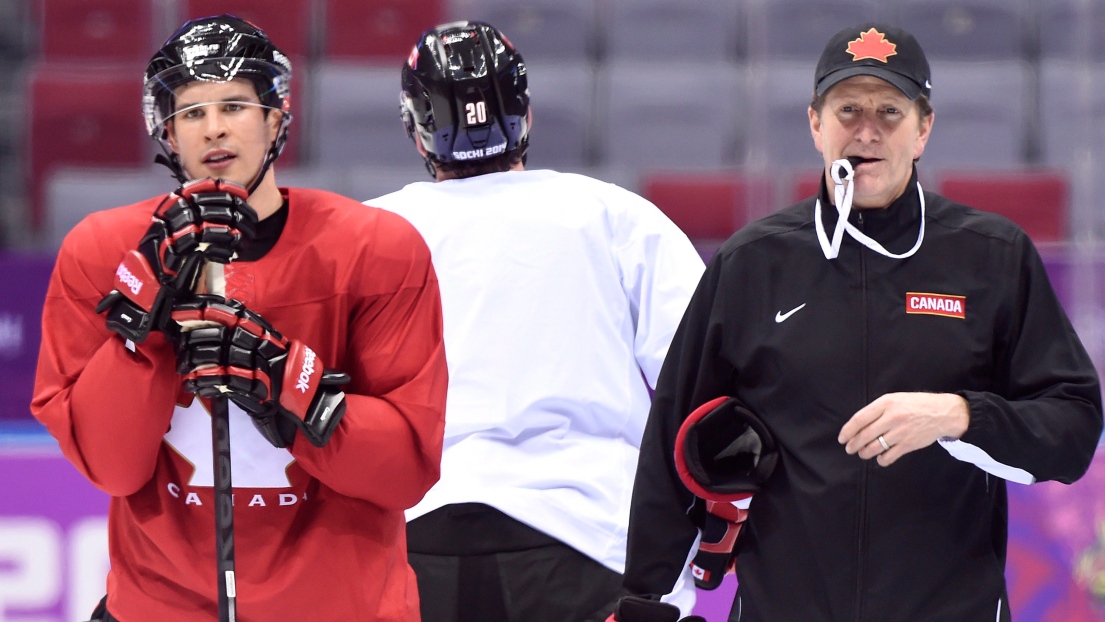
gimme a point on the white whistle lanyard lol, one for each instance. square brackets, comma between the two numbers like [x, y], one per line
[842, 193]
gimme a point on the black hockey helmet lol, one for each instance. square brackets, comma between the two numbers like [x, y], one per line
[216, 49]
[466, 94]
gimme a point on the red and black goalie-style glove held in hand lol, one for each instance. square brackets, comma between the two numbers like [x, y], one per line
[724, 453]
[204, 220]
[227, 350]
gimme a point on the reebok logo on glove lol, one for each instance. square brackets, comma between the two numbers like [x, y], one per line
[132, 275]
[304, 381]
[300, 372]
[126, 278]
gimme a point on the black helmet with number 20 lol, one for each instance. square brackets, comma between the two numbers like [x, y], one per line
[465, 94]
[216, 49]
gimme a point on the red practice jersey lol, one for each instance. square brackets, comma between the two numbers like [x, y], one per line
[319, 532]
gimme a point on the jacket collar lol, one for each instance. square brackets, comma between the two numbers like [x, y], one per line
[894, 227]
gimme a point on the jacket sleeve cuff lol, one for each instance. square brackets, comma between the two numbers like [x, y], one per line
[968, 449]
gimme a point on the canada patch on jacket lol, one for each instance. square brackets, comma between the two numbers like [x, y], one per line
[944, 305]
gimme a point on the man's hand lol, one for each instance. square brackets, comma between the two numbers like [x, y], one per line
[227, 350]
[904, 422]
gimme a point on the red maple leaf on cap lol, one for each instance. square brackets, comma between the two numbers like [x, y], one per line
[871, 44]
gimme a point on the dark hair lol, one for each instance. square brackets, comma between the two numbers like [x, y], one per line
[498, 164]
[924, 106]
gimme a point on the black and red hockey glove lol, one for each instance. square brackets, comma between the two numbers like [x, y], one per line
[642, 609]
[227, 350]
[204, 220]
[723, 454]
[210, 216]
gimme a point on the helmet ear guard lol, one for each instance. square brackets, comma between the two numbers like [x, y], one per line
[406, 113]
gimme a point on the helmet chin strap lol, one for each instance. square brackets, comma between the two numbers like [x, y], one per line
[171, 161]
[431, 168]
[270, 157]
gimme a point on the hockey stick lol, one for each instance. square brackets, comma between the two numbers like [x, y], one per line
[224, 488]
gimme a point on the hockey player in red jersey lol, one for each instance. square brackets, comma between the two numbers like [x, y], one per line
[328, 344]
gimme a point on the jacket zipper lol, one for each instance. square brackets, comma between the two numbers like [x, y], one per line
[861, 540]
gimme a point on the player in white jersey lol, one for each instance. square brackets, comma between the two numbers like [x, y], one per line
[560, 295]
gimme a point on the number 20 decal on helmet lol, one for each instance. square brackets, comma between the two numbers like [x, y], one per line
[465, 95]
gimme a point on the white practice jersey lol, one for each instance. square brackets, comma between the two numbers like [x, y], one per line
[560, 296]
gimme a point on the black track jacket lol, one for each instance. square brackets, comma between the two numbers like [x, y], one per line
[831, 536]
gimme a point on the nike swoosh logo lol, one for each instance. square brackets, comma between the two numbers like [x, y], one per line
[781, 317]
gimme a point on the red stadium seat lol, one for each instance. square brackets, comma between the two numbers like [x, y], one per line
[96, 29]
[83, 116]
[288, 22]
[1037, 201]
[806, 185]
[708, 206]
[384, 30]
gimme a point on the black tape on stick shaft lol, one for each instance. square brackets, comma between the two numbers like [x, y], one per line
[224, 509]
[224, 486]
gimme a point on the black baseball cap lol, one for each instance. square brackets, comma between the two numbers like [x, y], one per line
[871, 49]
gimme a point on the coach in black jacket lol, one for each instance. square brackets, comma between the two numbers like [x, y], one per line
[908, 355]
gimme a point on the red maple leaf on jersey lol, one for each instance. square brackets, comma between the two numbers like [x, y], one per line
[871, 44]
